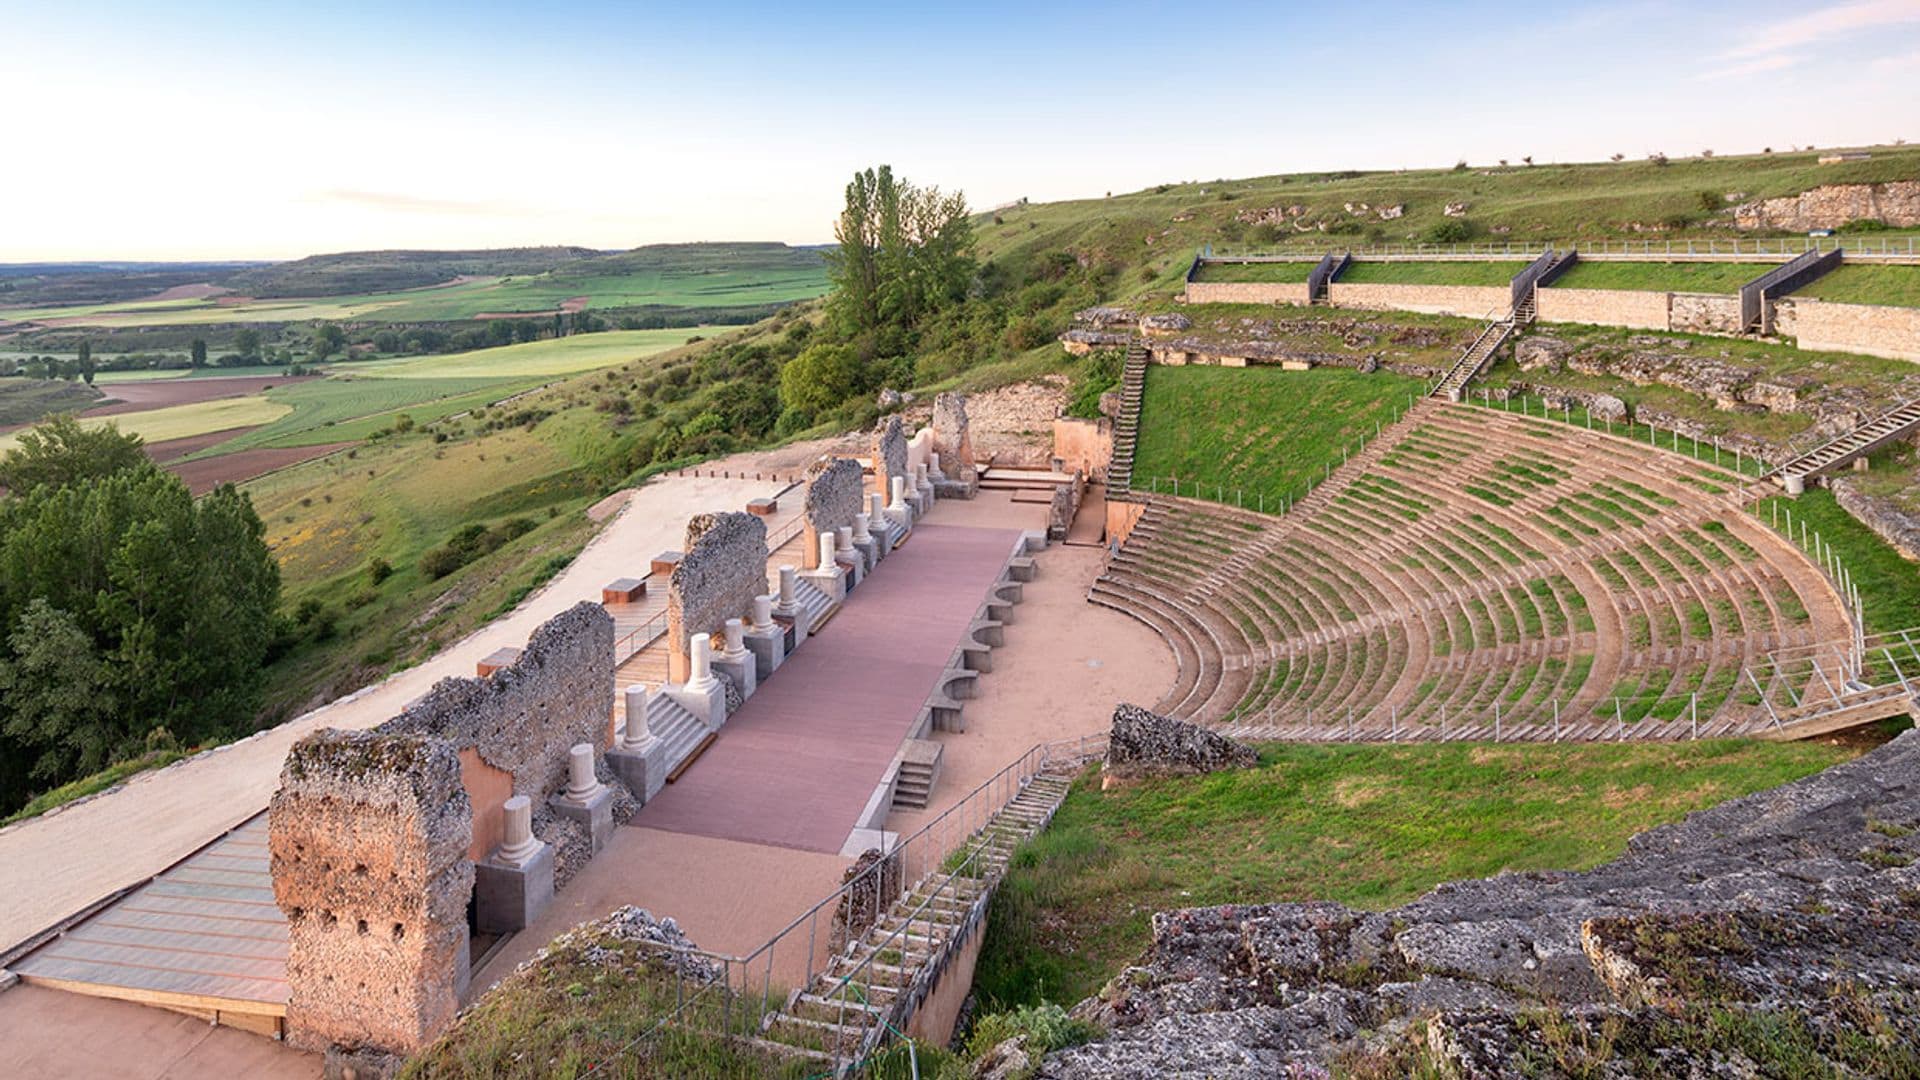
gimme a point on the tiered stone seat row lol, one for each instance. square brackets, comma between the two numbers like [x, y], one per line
[1473, 565]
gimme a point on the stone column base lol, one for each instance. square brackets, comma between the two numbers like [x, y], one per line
[710, 705]
[508, 898]
[741, 670]
[769, 651]
[596, 814]
[635, 769]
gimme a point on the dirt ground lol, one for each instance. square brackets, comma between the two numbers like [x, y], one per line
[138, 396]
[204, 474]
[50, 1033]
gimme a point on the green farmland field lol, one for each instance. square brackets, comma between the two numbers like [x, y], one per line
[549, 357]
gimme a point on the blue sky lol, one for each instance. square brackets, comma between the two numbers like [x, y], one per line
[206, 130]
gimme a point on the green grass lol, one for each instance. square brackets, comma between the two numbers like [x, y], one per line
[1282, 273]
[1896, 286]
[1367, 826]
[94, 784]
[25, 401]
[182, 421]
[1699, 277]
[551, 357]
[1429, 273]
[1248, 434]
[318, 412]
[1889, 585]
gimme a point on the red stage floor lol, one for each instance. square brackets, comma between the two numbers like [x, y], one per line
[796, 765]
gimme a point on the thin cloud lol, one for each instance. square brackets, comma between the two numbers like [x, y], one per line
[1783, 43]
[415, 204]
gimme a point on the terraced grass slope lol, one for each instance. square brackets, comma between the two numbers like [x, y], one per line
[1475, 568]
[1371, 826]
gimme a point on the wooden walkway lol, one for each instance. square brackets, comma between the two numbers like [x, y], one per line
[204, 937]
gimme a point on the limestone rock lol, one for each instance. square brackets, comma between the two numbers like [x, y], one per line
[889, 399]
[1540, 353]
[1110, 403]
[1831, 206]
[836, 491]
[722, 567]
[1388, 213]
[1800, 903]
[1455, 209]
[1171, 322]
[1008, 1060]
[1894, 523]
[1142, 743]
[1105, 318]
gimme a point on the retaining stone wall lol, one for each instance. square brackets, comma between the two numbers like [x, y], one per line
[1604, 307]
[1892, 332]
[1466, 301]
[1704, 313]
[1247, 292]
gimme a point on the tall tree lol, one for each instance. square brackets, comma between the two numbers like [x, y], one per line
[905, 252]
[327, 339]
[246, 342]
[60, 452]
[197, 352]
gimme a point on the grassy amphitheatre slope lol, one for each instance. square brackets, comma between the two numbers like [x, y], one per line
[1434, 273]
[1662, 277]
[1368, 826]
[1261, 432]
[1897, 286]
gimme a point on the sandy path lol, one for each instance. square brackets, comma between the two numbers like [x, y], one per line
[60, 862]
[51, 1033]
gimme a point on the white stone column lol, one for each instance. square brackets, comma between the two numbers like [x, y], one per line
[763, 609]
[933, 463]
[844, 538]
[829, 543]
[876, 508]
[518, 847]
[899, 485]
[789, 576]
[636, 736]
[582, 785]
[700, 664]
[736, 647]
[862, 529]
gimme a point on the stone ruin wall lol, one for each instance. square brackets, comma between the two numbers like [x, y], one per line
[525, 718]
[368, 836]
[1892, 332]
[951, 437]
[1084, 446]
[890, 456]
[722, 568]
[836, 491]
[1466, 301]
[1831, 206]
[1064, 505]
[1247, 292]
[1704, 313]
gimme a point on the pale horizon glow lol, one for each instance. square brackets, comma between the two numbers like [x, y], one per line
[215, 131]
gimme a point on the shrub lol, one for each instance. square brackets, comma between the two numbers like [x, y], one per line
[1047, 1028]
[1450, 231]
[378, 571]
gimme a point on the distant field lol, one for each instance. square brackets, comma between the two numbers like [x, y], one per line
[1253, 433]
[1894, 286]
[1277, 273]
[555, 356]
[182, 421]
[1662, 277]
[1429, 273]
[542, 294]
[23, 401]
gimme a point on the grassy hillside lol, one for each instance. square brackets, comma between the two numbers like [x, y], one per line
[1155, 232]
[1368, 826]
[380, 271]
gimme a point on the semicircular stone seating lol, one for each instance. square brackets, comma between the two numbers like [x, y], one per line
[1475, 572]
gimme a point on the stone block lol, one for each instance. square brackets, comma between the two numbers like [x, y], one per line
[509, 897]
[642, 771]
[664, 562]
[499, 658]
[769, 649]
[595, 813]
[763, 507]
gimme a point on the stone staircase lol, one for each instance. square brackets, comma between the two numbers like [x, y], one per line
[1453, 385]
[1889, 426]
[873, 986]
[1126, 426]
[914, 784]
[670, 722]
[815, 602]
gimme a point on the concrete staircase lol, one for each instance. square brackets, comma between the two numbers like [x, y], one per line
[815, 602]
[1126, 426]
[873, 987]
[672, 724]
[1453, 385]
[914, 785]
[1888, 427]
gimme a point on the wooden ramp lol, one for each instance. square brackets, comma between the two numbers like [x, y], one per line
[203, 938]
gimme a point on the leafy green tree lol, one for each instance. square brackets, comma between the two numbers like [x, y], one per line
[60, 452]
[197, 352]
[905, 252]
[821, 377]
[246, 342]
[327, 339]
[127, 605]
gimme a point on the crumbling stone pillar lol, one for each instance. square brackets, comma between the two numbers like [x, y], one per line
[890, 454]
[952, 449]
[367, 837]
[724, 568]
[835, 492]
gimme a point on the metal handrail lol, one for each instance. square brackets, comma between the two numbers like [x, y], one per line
[644, 635]
[1857, 247]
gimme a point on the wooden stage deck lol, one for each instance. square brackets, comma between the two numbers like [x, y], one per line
[204, 937]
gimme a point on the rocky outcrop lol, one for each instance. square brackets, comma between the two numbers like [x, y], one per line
[1831, 206]
[1143, 743]
[1787, 917]
[1171, 322]
[1894, 523]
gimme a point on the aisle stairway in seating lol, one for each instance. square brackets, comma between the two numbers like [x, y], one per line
[1888, 427]
[879, 980]
[1126, 426]
[1453, 385]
